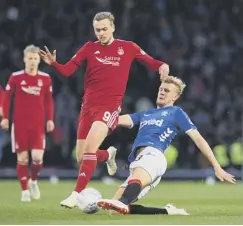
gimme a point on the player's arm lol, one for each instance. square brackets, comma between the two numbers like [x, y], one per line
[6, 102]
[152, 63]
[125, 121]
[129, 121]
[71, 66]
[185, 124]
[49, 106]
[204, 147]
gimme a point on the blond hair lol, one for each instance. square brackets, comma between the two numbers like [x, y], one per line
[32, 49]
[175, 81]
[104, 15]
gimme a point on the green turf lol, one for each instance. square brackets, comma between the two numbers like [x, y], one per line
[219, 204]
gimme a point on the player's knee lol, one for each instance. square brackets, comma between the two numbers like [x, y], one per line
[37, 156]
[23, 161]
[23, 158]
[141, 175]
[37, 159]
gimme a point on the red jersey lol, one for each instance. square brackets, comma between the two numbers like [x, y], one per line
[1, 95]
[33, 102]
[107, 70]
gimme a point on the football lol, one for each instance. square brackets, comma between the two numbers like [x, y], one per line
[87, 200]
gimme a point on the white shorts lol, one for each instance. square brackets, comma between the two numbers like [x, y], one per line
[154, 162]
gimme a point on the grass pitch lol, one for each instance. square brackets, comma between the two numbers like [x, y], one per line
[219, 204]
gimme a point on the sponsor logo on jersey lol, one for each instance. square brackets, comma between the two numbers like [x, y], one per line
[114, 61]
[151, 122]
[97, 52]
[33, 90]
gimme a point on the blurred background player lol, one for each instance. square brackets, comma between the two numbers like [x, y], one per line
[108, 64]
[33, 104]
[157, 129]
[1, 98]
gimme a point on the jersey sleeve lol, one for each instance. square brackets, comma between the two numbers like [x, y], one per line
[142, 56]
[49, 106]
[135, 118]
[1, 99]
[1, 95]
[72, 65]
[6, 102]
[183, 121]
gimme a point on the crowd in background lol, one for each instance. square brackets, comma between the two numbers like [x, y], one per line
[201, 40]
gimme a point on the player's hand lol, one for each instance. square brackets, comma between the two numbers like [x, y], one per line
[164, 71]
[47, 56]
[50, 126]
[5, 124]
[224, 176]
[1, 111]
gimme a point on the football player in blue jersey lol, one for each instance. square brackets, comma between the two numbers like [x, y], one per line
[157, 128]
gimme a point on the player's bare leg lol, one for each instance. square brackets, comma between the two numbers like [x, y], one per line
[36, 166]
[22, 172]
[80, 144]
[96, 135]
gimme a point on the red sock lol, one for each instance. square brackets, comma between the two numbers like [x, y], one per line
[102, 155]
[22, 172]
[35, 170]
[86, 171]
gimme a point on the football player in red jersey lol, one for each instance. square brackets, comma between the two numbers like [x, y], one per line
[33, 104]
[108, 65]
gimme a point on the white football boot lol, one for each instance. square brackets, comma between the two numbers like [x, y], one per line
[34, 189]
[172, 210]
[111, 162]
[25, 196]
[71, 201]
[116, 205]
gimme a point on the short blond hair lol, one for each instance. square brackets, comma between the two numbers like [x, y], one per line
[176, 81]
[32, 49]
[104, 15]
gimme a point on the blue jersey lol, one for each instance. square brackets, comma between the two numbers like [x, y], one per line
[158, 127]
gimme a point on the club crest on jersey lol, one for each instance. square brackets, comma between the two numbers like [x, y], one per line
[120, 51]
[40, 83]
[164, 113]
